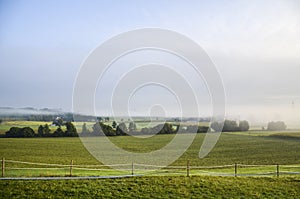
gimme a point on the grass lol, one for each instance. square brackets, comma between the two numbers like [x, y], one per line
[155, 187]
[231, 148]
[257, 148]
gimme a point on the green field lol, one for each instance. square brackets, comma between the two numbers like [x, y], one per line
[155, 187]
[231, 148]
[252, 148]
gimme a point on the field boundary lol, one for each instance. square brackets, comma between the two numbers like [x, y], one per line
[68, 178]
[14, 169]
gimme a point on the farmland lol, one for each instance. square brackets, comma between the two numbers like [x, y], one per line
[257, 149]
[253, 147]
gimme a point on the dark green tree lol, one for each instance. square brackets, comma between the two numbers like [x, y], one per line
[84, 130]
[165, 128]
[41, 131]
[216, 126]
[132, 126]
[101, 129]
[13, 132]
[121, 129]
[58, 133]
[276, 126]
[97, 130]
[71, 130]
[228, 126]
[203, 129]
[244, 125]
[114, 124]
[46, 130]
[16, 132]
[27, 132]
[100, 119]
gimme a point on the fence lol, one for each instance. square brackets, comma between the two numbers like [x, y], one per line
[13, 168]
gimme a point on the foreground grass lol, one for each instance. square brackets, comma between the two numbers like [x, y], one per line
[155, 187]
[230, 149]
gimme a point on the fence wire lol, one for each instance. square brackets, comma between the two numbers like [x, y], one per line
[12, 168]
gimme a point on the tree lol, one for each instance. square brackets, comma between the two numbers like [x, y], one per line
[228, 126]
[244, 125]
[58, 132]
[100, 119]
[71, 130]
[165, 128]
[203, 129]
[121, 129]
[41, 131]
[132, 126]
[114, 124]
[216, 126]
[276, 126]
[27, 132]
[13, 132]
[84, 130]
[107, 130]
[46, 130]
[16, 132]
[145, 131]
[99, 129]
[0, 121]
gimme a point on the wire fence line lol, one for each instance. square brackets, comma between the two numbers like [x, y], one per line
[13, 169]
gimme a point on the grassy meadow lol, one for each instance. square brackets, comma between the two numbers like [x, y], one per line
[231, 148]
[154, 187]
[250, 148]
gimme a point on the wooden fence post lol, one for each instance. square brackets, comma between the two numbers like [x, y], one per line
[71, 168]
[235, 169]
[132, 168]
[188, 169]
[3, 167]
[277, 170]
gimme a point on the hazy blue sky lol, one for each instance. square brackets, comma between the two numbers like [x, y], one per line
[254, 44]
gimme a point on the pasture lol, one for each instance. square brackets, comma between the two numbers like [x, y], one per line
[259, 148]
[256, 149]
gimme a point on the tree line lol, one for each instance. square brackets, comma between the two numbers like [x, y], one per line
[121, 129]
[230, 126]
[43, 131]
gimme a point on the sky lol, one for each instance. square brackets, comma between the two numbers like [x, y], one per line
[255, 46]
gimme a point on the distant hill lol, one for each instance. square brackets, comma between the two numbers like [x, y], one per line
[11, 111]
